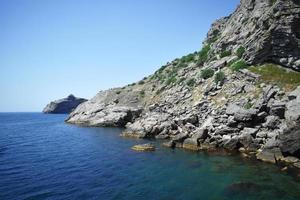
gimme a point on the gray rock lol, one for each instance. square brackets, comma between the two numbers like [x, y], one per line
[230, 144]
[272, 122]
[290, 141]
[63, 106]
[244, 115]
[292, 114]
[268, 32]
[278, 109]
[271, 155]
[294, 94]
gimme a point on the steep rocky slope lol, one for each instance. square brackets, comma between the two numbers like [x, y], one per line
[63, 106]
[237, 93]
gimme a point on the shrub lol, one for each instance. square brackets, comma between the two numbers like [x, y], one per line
[142, 93]
[273, 1]
[240, 52]
[248, 105]
[132, 84]
[171, 80]
[182, 79]
[191, 82]
[182, 65]
[188, 58]
[141, 82]
[240, 64]
[203, 54]
[207, 73]
[220, 77]
[225, 54]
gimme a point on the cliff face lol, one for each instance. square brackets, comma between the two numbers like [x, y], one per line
[269, 30]
[63, 106]
[212, 99]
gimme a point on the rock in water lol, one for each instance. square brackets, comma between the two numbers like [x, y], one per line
[143, 147]
[63, 106]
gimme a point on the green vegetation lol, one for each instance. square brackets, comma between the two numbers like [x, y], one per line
[248, 105]
[275, 74]
[142, 93]
[191, 82]
[188, 58]
[220, 77]
[171, 80]
[132, 84]
[225, 54]
[182, 79]
[141, 82]
[216, 35]
[165, 72]
[240, 52]
[240, 64]
[207, 73]
[273, 2]
[203, 54]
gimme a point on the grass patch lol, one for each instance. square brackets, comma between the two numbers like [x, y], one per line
[240, 64]
[275, 74]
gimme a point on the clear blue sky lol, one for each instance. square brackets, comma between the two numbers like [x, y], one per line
[52, 48]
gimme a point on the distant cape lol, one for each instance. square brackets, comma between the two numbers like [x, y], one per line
[63, 106]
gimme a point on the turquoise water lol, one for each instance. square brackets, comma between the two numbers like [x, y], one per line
[41, 157]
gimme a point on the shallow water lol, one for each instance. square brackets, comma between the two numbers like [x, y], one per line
[41, 157]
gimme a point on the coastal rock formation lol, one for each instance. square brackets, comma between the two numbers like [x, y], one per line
[217, 98]
[268, 30]
[63, 106]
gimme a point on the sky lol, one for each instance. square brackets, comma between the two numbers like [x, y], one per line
[52, 48]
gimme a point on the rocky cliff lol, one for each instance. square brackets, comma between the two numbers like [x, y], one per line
[239, 93]
[63, 106]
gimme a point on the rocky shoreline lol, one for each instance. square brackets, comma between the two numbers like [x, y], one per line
[239, 93]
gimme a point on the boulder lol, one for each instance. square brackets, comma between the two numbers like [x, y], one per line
[191, 144]
[272, 155]
[245, 115]
[290, 141]
[270, 152]
[292, 114]
[294, 94]
[272, 122]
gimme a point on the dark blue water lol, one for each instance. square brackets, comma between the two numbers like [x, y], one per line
[41, 157]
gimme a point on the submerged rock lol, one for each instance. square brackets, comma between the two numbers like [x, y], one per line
[144, 147]
[63, 106]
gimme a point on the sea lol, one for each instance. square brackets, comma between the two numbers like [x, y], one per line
[42, 157]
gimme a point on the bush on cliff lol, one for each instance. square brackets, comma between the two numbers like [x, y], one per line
[240, 64]
[240, 52]
[207, 73]
[203, 55]
[220, 77]
[225, 54]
